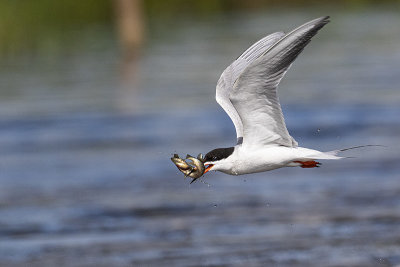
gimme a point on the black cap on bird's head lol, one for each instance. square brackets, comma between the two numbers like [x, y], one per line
[216, 155]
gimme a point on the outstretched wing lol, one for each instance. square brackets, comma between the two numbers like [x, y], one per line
[254, 93]
[232, 72]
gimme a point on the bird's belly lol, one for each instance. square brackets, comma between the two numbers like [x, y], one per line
[262, 161]
[254, 168]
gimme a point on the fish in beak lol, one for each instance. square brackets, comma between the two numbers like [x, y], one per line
[182, 165]
[192, 167]
[199, 167]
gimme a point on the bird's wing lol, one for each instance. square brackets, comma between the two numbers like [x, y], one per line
[254, 93]
[232, 72]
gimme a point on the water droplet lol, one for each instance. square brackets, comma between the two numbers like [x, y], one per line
[318, 130]
[381, 260]
[215, 205]
[268, 204]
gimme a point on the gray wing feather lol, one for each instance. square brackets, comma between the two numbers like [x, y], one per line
[254, 93]
[233, 71]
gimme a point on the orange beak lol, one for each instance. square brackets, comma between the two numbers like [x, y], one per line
[209, 166]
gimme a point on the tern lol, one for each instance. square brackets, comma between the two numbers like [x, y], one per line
[247, 91]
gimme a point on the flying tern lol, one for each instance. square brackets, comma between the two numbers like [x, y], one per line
[247, 91]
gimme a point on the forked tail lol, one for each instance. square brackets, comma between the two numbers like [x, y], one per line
[334, 153]
[309, 160]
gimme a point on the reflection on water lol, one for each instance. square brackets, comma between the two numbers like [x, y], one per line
[85, 173]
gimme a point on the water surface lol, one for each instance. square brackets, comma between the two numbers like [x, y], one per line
[85, 142]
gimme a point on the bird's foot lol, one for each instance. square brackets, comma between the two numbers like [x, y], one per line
[309, 164]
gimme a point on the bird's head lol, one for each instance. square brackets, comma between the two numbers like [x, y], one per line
[216, 160]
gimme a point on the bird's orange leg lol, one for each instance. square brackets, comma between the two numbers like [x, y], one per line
[308, 164]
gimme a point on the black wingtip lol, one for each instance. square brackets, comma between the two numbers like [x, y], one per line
[319, 22]
[322, 21]
[327, 19]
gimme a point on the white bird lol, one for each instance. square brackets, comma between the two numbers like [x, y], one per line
[247, 91]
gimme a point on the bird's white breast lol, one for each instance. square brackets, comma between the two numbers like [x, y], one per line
[251, 160]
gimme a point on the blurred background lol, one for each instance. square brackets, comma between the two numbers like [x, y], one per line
[96, 96]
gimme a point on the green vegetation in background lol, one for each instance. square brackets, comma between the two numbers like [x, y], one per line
[170, 8]
[27, 24]
[44, 25]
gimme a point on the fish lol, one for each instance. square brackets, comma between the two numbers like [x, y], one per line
[182, 165]
[198, 164]
[191, 167]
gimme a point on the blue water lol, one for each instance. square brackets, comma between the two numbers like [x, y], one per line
[85, 142]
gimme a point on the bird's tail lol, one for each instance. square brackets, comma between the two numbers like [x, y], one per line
[334, 154]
